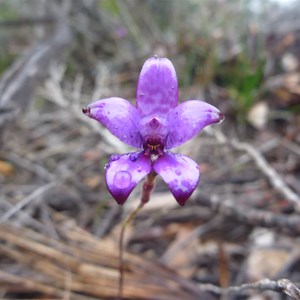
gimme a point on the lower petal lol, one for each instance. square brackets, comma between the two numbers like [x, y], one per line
[180, 173]
[123, 173]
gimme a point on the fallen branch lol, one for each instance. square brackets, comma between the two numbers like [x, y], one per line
[275, 179]
[290, 224]
[281, 285]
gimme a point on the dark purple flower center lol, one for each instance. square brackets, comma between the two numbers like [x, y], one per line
[153, 131]
[153, 146]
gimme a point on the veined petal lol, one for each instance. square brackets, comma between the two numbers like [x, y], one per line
[187, 119]
[157, 90]
[119, 116]
[180, 173]
[123, 172]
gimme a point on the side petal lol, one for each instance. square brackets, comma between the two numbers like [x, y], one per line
[187, 119]
[119, 116]
[180, 173]
[123, 172]
[157, 90]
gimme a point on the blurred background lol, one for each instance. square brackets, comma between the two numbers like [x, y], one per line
[59, 226]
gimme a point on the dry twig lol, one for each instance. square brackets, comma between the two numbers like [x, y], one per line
[12, 211]
[18, 83]
[290, 224]
[274, 178]
[281, 285]
[269, 171]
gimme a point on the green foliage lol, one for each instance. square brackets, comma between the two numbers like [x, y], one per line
[294, 109]
[5, 60]
[243, 79]
[189, 68]
[110, 6]
[7, 11]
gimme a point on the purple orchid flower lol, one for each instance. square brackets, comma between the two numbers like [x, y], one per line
[155, 126]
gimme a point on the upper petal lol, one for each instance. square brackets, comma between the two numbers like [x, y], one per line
[119, 116]
[187, 119]
[157, 90]
[123, 172]
[180, 173]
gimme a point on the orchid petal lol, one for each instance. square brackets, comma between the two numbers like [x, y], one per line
[119, 116]
[180, 173]
[157, 90]
[123, 172]
[187, 119]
